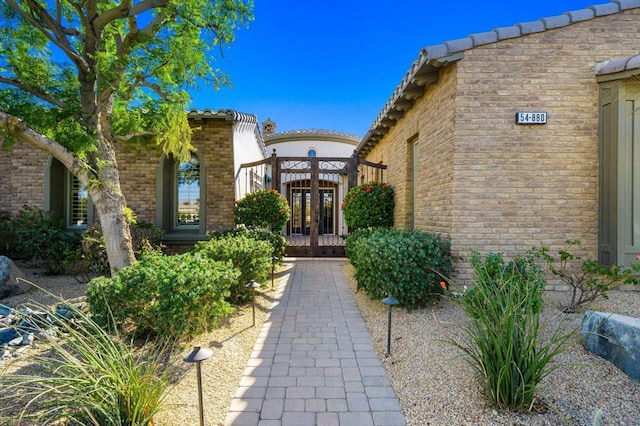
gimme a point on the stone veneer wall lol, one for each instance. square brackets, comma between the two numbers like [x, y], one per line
[492, 185]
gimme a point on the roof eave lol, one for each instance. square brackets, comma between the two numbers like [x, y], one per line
[424, 72]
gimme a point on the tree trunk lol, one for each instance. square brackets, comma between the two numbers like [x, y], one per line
[103, 186]
[115, 227]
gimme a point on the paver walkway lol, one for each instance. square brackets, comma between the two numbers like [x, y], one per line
[313, 363]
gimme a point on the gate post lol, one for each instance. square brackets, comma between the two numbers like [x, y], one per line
[352, 171]
[315, 204]
[275, 172]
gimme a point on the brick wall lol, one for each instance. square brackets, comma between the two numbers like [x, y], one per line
[22, 181]
[138, 167]
[215, 140]
[492, 185]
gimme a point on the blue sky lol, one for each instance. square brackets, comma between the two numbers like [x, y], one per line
[333, 64]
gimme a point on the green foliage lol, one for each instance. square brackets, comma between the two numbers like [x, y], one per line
[264, 208]
[147, 65]
[7, 236]
[42, 239]
[145, 236]
[278, 242]
[503, 344]
[173, 297]
[86, 376]
[369, 205]
[251, 257]
[587, 279]
[129, 72]
[406, 265]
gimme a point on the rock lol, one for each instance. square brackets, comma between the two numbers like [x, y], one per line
[8, 334]
[11, 279]
[615, 338]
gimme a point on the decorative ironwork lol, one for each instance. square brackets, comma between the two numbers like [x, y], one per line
[314, 187]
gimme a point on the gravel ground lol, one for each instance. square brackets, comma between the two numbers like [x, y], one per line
[232, 343]
[433, 382]
[436, 386]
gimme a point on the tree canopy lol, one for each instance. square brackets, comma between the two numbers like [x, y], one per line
[79, 76]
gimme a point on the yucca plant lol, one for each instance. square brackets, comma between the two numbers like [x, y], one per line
[504, 345]
[85, 376]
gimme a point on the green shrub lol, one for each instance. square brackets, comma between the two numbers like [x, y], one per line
[504, 345]
[251, 257]
[170, 296]
[369, 205]
[587, 279]
[278, 242]
[42, 239]
[264, 208]
[7, 236]
[352, 242]
[144, 236]
[407, 265]
[86, 376]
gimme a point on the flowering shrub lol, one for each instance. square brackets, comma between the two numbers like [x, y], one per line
[264, 208]
[369, 205]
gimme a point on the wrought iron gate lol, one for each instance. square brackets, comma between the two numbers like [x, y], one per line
[314, 187]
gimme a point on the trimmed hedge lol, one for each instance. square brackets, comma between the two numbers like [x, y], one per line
[170, 296]
[251, 257]
[407, 265]
[278, 242]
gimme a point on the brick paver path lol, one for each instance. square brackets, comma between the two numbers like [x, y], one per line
[313, 363]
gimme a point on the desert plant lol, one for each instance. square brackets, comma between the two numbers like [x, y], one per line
[369, 205]
[407, 265]
[173, 297]
[504, 345]
[251, 257]
[264, 208]
[587, 279]
[86, 376]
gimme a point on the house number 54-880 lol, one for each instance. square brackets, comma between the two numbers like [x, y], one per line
[531, 118]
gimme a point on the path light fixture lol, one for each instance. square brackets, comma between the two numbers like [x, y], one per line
[253, 285]
[196, 356]
[273, 268]
[391, 302]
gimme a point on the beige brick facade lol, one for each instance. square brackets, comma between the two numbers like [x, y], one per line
[140, 174]
[488, 183]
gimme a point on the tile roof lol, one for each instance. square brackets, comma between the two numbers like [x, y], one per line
[228, 114]
[424, 70]
[312, 134]
[628, 63]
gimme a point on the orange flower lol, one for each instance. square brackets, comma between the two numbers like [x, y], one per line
[443, 284]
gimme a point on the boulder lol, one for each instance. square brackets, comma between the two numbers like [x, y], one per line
[11, 279]
[615, 338]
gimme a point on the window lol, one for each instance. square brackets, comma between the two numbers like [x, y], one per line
[187, 208]
[65, 197]
[181, 197]
[78, 202]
